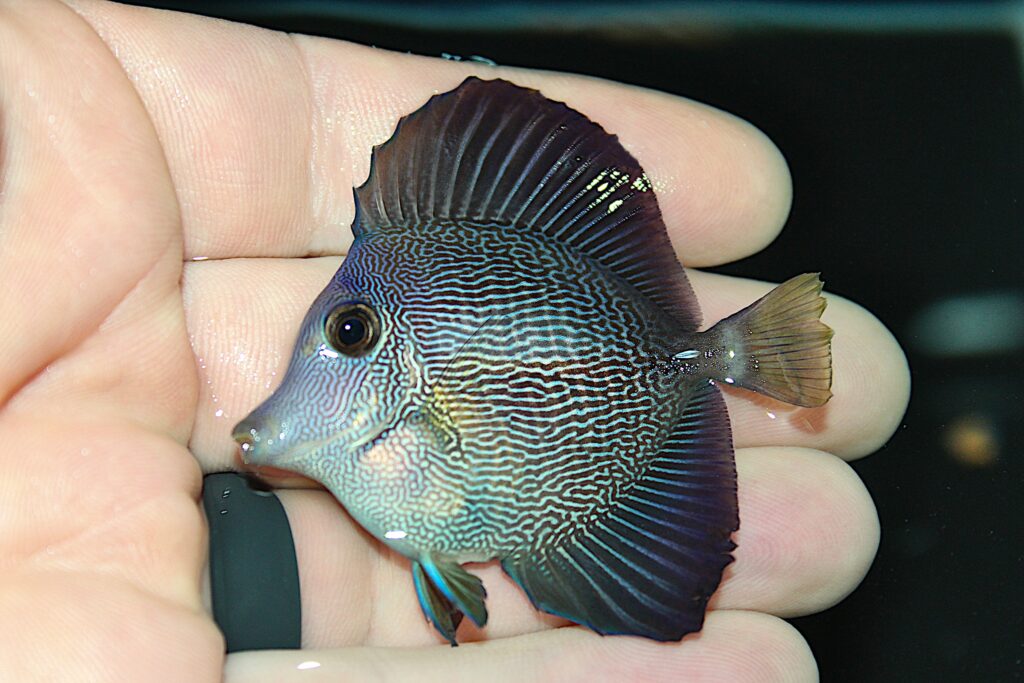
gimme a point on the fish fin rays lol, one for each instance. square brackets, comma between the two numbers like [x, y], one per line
[493, 153]
[648, 565]
[438, 609]
[446, 592]
[781, 348]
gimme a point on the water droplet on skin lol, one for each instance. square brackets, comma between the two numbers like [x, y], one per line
[226, 493]
[308, 665]
[223, 512]
[219, 413]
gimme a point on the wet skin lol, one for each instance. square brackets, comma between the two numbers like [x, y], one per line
[142, 140]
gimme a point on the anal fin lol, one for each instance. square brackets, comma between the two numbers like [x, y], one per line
[649, 565]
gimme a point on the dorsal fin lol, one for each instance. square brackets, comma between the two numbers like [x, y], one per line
[494, 153]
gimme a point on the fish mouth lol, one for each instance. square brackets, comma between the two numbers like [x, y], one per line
[283, 477]
[250, 444]
[275, 477]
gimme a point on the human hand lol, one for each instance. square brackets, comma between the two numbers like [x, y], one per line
[134, 141]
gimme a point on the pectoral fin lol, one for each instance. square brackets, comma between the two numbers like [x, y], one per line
[446, 591]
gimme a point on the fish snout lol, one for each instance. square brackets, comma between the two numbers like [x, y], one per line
[259, 440]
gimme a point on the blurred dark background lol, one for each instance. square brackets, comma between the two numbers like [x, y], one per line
[904, 129]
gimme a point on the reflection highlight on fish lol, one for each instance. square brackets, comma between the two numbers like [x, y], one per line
[515, 372]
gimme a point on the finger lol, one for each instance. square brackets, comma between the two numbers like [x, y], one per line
[243, 316]
[870, 379]
[808, 533]
[60, 625]
[243, 337]
[265, 135]
[734, 646]
[87, 207]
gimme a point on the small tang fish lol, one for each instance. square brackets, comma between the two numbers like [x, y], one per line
[508, 365]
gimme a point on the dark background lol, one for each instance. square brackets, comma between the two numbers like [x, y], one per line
[905, 137]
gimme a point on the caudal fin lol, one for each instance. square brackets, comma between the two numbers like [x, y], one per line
[778, 345]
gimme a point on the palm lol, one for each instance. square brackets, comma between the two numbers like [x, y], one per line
[126, 363]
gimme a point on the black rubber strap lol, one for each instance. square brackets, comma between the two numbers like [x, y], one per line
[254, 578]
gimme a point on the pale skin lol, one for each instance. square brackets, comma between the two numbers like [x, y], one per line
[134, 141]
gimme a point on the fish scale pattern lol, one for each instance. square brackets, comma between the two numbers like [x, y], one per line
[536, 392]
[540, 370]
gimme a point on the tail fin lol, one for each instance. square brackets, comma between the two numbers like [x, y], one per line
[777, 346]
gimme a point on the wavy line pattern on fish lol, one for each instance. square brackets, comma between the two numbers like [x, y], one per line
[507, 365]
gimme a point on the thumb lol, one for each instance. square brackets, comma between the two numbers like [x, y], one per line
[733, 646]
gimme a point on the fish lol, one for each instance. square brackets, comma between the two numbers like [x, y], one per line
[509, 365]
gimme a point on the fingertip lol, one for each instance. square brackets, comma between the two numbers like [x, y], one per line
[747, 200]
[808, 534]
[873, 374]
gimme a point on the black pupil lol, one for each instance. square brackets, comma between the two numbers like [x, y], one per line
[352, 331]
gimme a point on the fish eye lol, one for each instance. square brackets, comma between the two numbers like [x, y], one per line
[352, 329]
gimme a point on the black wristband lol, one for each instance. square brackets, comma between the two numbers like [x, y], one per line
[254, 577]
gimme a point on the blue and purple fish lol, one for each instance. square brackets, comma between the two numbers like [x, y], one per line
[508, 366]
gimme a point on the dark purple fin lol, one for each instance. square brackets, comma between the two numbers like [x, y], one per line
[493, 153]
[780, 346]
[438, 609]
[648, 565]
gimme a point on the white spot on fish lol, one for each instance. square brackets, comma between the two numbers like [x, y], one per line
[642, 184]
[324, 352]
[730, 380]
[685, 355]
[614, 205]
